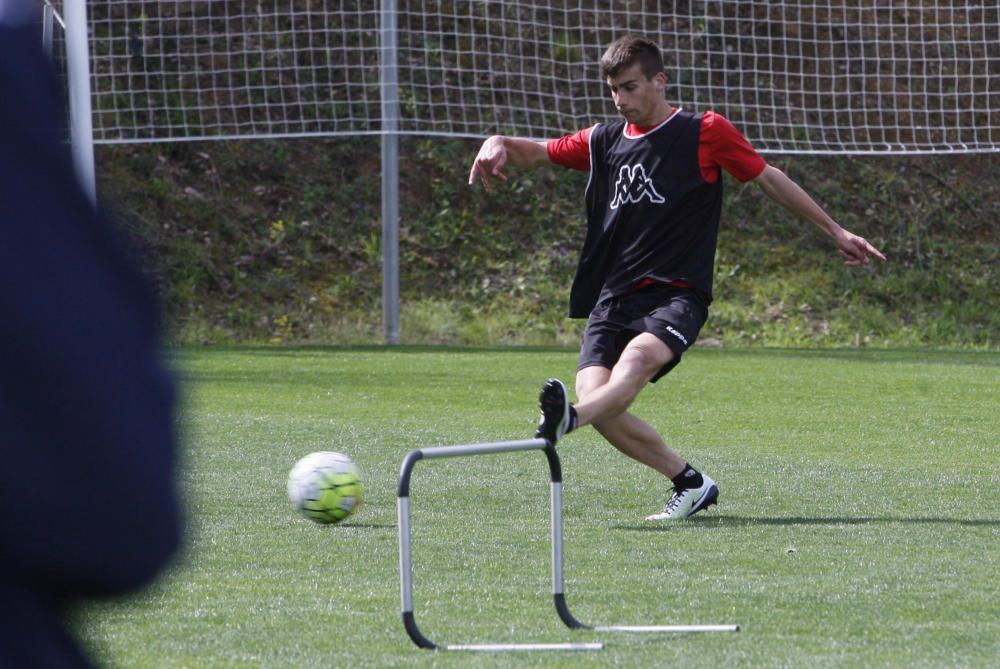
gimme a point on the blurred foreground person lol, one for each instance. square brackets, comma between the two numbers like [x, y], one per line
[88, 506]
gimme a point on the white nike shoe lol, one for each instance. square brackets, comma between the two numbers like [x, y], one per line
[689, 501]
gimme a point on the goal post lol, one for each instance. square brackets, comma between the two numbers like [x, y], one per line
[75, 26]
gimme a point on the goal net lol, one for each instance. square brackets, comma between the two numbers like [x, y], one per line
[796, 76]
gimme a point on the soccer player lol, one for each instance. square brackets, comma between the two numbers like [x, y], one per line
[644, 278]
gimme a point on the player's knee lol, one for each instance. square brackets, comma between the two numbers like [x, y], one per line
[590, 379]
[644, 361]
[584, 389]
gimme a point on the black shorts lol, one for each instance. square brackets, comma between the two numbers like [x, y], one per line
[674, 315]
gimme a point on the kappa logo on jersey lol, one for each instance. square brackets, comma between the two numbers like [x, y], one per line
[633, 185]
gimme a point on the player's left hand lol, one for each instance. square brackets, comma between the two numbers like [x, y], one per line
[857, 250]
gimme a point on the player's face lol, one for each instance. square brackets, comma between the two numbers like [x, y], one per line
[638, 99]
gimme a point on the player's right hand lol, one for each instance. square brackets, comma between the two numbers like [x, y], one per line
[489, 162]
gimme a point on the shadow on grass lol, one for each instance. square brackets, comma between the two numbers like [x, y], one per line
[365, 526]
[754, 521]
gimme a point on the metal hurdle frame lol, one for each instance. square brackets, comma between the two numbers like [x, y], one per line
[558, 594]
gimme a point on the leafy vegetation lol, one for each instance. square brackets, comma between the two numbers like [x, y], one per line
[279, 241]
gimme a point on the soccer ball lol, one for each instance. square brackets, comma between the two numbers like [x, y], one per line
[325, 487]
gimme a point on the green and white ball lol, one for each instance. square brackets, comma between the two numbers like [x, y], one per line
[325, 487]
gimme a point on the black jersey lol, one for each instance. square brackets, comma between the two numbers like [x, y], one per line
[650, 213]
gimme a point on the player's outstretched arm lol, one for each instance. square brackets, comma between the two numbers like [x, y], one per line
[854, 249]
[498, 151]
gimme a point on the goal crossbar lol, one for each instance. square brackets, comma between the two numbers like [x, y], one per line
[795, 76]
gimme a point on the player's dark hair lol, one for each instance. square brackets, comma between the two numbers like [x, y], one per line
[629, 50]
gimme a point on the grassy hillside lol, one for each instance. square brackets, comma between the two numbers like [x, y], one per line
[280, 241]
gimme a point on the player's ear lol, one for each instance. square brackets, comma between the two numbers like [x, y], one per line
[660, 78]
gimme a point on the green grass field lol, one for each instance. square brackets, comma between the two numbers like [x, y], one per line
[858, 524]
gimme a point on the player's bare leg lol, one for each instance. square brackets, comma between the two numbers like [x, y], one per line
[604, 396]
[610, 396]
[626, 432]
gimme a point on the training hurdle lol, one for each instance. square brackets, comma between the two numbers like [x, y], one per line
[558, 594]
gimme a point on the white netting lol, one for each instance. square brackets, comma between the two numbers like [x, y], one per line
[805, 76]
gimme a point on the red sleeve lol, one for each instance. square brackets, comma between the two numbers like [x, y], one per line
[572, 151]
[721, 145]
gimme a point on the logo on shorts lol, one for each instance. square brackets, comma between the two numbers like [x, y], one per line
[677, 334]
[633, 185]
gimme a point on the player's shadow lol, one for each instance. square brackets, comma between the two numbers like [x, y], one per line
[723, 522]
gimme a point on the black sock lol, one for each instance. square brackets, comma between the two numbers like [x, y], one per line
[689, 478]
[574, 420]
